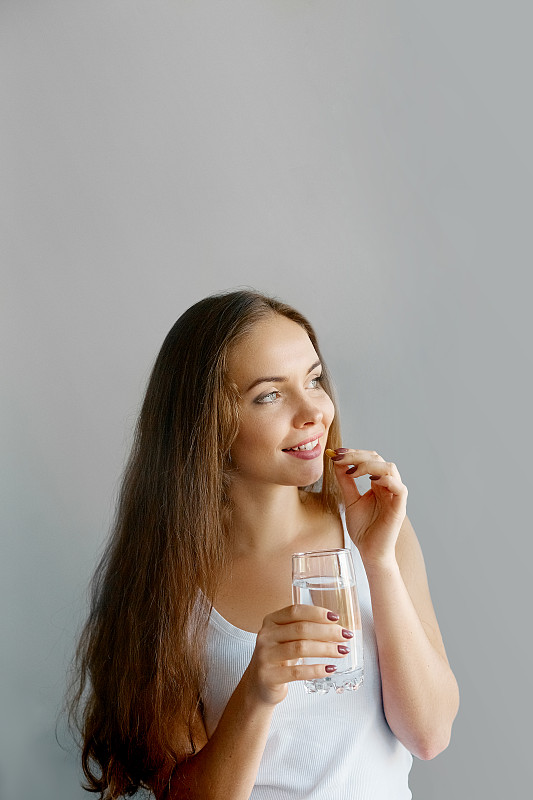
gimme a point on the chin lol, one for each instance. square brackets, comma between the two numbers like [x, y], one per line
[312, 477]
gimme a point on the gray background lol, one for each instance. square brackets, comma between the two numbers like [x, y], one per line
[368, 162]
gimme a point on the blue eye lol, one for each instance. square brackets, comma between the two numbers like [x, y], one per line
[267, 398]
[271, 397]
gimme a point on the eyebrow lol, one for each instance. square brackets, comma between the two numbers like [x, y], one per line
[278, 378]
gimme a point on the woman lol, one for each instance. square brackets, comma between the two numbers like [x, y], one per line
[189, 664]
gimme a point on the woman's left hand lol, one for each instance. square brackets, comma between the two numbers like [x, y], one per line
[373, 519]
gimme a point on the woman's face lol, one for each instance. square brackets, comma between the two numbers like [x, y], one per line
[283, 405]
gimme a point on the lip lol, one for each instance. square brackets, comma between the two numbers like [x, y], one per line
[305, 441]
[307, 455]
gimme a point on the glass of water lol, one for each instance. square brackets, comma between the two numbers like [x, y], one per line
[326, 578]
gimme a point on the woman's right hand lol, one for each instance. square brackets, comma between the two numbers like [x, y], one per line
[288, 635]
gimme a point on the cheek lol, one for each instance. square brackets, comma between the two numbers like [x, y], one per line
[328, 410]
[253, 438]
[250, 439]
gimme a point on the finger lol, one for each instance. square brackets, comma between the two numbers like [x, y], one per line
[339, 457]
[309, 631]
[301, 672]
[391, 484]
[307, 648]
[374, 468]
[350, 493]
[345, 455]
[301, 612]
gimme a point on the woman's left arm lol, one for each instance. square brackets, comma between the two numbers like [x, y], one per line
[420, 693]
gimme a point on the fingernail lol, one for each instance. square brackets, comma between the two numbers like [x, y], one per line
[330, 453]
[374, 477]
[337, 458]
[343, 649]
[347, 634]
[341, 450]
[333, 617]
[351, 470]
[331, 668]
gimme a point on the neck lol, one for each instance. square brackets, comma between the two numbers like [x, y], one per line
[266, 518]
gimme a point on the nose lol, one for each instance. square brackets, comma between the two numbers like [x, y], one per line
[307, 413]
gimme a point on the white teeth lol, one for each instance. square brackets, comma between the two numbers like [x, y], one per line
[308, 446]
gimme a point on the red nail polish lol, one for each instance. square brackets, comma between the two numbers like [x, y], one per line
[351, 470]
[375, 477]
[341, 450]
[338, 457]
[331, 668]
[333, 617]
[343, 649]
[347, 634]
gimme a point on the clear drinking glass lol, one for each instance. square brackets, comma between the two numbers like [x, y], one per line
[326, 578]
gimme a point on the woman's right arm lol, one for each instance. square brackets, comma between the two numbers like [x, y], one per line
[226, 765]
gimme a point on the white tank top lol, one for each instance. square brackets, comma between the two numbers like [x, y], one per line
[320, 747]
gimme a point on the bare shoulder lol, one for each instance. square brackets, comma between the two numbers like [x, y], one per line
[413, 570]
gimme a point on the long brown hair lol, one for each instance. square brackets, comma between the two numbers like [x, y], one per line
[139, 666]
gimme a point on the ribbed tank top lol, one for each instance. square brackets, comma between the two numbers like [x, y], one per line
[320, 747]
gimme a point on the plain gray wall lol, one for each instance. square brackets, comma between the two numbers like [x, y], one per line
[368, 162]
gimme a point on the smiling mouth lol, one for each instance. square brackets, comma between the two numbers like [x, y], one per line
[307, 446]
